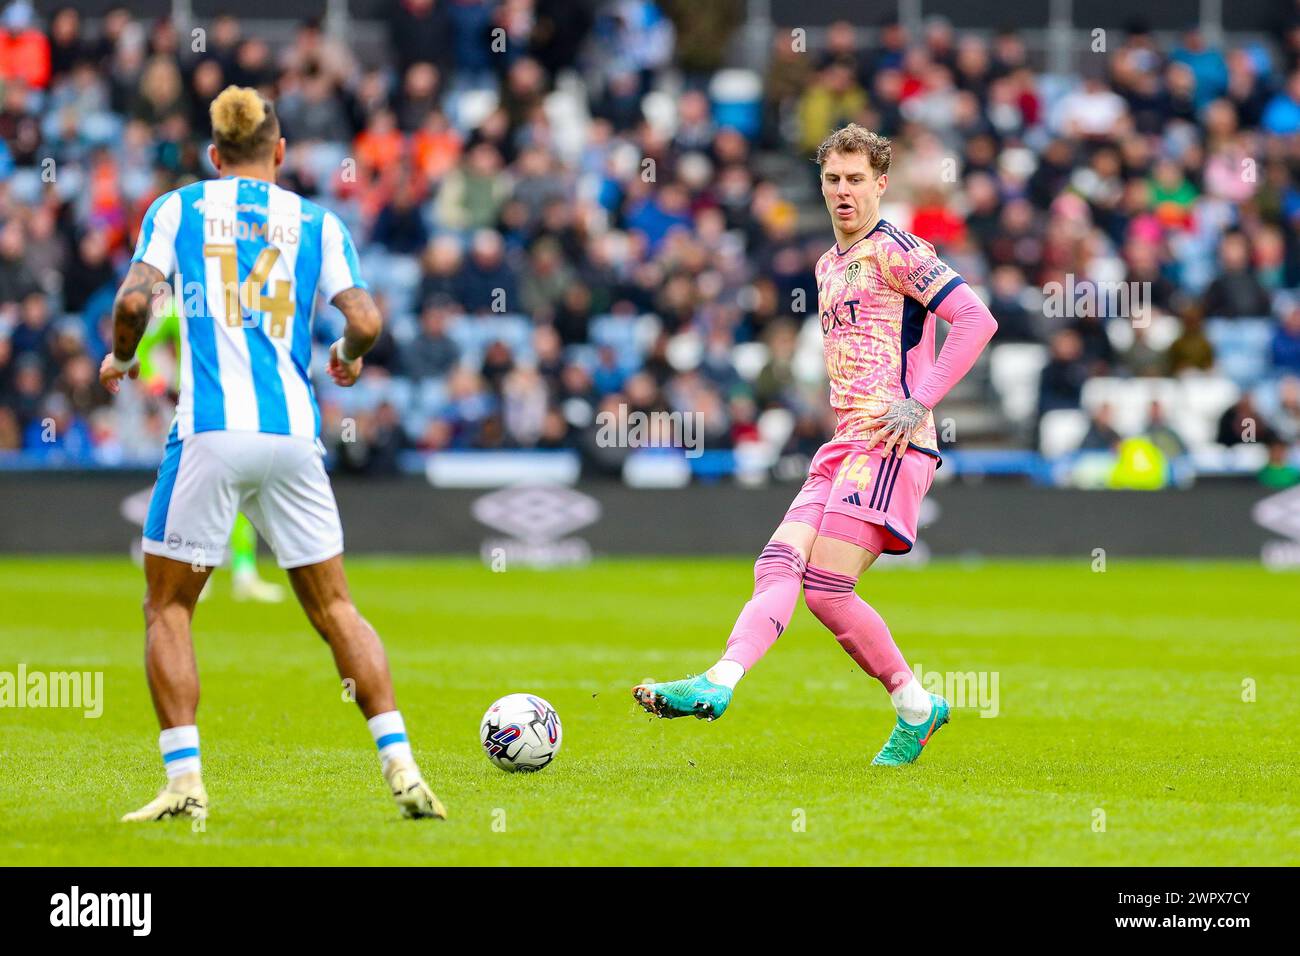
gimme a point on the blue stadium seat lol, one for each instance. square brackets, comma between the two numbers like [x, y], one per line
[737, 99]
[625, 335]
[1241, 348]
[616, 331]
[399, 392]
[396, 277]
[582, 354]
[433, 398]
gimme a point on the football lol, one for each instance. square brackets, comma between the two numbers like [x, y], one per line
[521, 732]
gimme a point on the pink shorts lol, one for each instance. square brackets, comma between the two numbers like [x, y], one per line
[853, 495]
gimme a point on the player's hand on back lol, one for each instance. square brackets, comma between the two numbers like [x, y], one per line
[896, 426]
[111, 374]
[343, 373]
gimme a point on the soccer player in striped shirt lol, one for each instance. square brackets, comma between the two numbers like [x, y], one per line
[249, 260]
[878, 290]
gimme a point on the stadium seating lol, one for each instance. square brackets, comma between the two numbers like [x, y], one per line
[722, 233]
[749, 359]
[1014, 369]
[473, 334]
[1241, 348]
[1161, 331]
[1061, 431]
[629, 336]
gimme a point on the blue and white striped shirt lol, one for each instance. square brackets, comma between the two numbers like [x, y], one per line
[248, 258]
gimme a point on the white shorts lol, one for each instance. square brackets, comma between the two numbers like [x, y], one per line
[278, 481]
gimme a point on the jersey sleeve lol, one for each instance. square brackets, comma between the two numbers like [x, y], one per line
[973, 326]
[157, 243]
[339, 269]
[912, 268]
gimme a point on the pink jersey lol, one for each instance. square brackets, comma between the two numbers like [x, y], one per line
[876, 300]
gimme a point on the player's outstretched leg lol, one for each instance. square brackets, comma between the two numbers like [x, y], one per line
[173, 589]
[359, 655]
[696, 696]
[778, 574]
[862, 632]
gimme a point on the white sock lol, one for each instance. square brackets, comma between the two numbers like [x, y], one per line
[912, 702]
[390, 737]
[180, 750]
[726, 673]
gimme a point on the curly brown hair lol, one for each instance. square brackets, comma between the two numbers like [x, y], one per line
[858, 139]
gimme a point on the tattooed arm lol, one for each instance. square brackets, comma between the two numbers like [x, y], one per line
[364, 324]
[131, 311]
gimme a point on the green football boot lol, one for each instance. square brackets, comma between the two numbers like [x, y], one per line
[692, 697]
[905, 743]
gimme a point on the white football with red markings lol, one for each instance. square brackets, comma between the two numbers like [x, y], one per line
[521, 732]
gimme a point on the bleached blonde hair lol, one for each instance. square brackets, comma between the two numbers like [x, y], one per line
[244, 124]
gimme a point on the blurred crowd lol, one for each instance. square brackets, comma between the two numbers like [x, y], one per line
[567, 206]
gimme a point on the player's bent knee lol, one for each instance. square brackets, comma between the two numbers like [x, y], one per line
[165, 610]
[334, 618]
[829, 604]
[778, 561]
[818, 602]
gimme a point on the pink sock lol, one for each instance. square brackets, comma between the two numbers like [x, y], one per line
[778, 575]
[856, 625]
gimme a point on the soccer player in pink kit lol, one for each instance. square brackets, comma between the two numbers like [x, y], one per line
[878, 290]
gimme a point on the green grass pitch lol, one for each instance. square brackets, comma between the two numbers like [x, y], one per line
[1121, 737]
